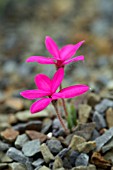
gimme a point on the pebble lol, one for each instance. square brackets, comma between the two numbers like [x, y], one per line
[63, 152]
[57, 163]
[90, 167]
[17, 166]
[3, 165]
[47, 155]
[109, 117]
[17, 155]
[54, 145]
[4, 146]
[76, 140]
[109, 156]
[15, 104]
[46, 125]
[9, 134]
[95, 134]
[30, 148]
[73, 156]
[36, 135]
[84, 113]
[44, 168]
[31, 125]
[108, 146]
[93, 99]
[38, 162]
[103, 139]
[21, 140]
[5, 158]
[86, 147]
[82, 160]
[99, 120]
[84, 130]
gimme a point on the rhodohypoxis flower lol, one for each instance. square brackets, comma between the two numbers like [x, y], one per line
[47, 90]
[60, 57]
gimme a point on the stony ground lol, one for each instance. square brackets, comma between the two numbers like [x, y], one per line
[38, 142]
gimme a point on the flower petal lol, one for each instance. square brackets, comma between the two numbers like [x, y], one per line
[40, 105]
[34, 94]
[75, 59]
[72, 91]
[43, 82]
[69, 51]
[57, 79]
[40, 59]
[52, 47]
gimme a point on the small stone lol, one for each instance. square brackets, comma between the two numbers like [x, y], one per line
[86, 147]
[82, 160]
[17, 155]
[95, 134]
[84, 113]
[109, 156]
[5, 159]
[31, 125]
[103, 139]
[21, 140]
[38, 162]
[90, 167]
[73, 157]
[76, 140]
[3, 146]
[99, 120]
[67, 163]
[17, 166]
[30, 148]
[36, 135]
[110, 85]
[16, 104]
[12, 119]
[63, 152]
[54, 146]
[99, 161]
[44, 168]
[109, 117]
[84, 130]
[57, 163]
[3, 165]
[46, 125]
[47, 155]
[93, 99]
[9, 134]
[108, 146]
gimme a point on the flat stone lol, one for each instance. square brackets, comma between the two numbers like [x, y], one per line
[54, 145]
[9, 134]
[90, 167]
[36, 135]
[4, 146]
[108, 146]
[84, 130]
[109, 117]
[46, 125]
[38, 162]
[57, 163]
[30, 148]
[15, 103]
[86, 147]
[93, 99]
[21, 140]
[84, 113]
[99, 120]
[17, 155]
[103, 139]
[82, 160]
[31, 125]
[76, 140]
[44, 168]
[47, 155]
[17, 166]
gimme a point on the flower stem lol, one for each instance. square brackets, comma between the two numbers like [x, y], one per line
[63, 102]
[59, 117]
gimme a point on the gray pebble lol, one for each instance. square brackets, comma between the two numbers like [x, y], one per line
[21, 140]
[99, 120]
[54, 146]
[3, 146]
[31, 148]
[82, 160]
[38, 162]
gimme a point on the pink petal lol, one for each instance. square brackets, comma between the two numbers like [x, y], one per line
[70, 92]
[57, 79]
[69, 51]
[40, 105]
[40, 59]
[43, 82]
[75, 59]
[33, 94]
[52, 47]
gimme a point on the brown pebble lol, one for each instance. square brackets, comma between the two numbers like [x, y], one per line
[36, 135]
[99, 161]
[9, 134]
[16, 104]
[109, 117]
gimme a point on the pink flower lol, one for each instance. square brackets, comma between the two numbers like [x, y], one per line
[61, 57]
[47, 90]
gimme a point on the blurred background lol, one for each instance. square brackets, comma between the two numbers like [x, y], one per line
[23, 27]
